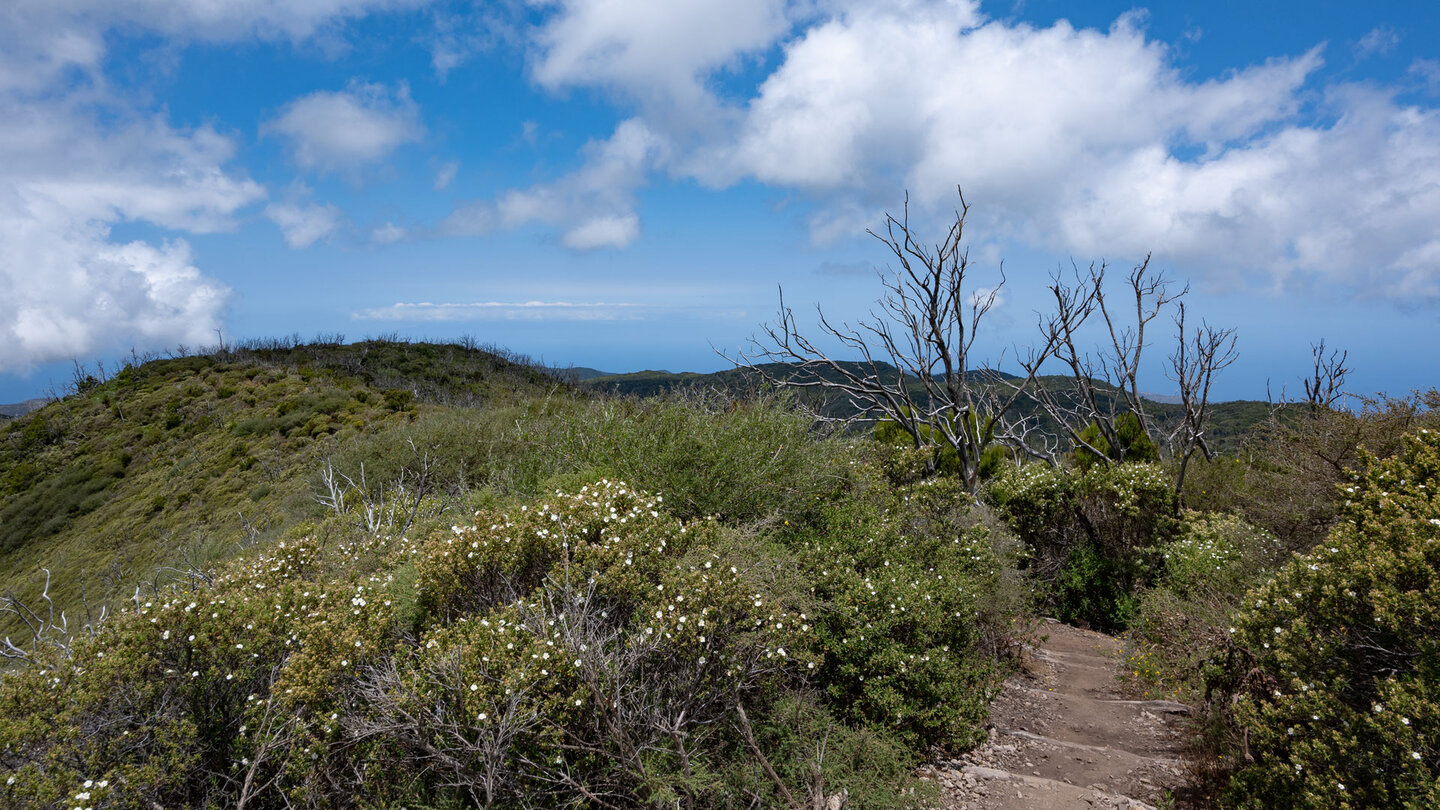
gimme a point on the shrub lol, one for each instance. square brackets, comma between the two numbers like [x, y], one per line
[1092, 536]
[940, 455]
[1136, 446]
[1337, 663]
[582, 644]
[902, 576]
[1181, 623]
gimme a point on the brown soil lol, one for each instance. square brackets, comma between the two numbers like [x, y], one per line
[1065, 736]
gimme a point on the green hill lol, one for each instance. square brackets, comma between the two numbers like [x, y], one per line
[191, 458]
[1229, 422]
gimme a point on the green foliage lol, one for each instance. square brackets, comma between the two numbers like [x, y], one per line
[1093, 536]
[1182, 621]
[903, 575]
[105, 486]
[740, 460]
[580, 644]
[1134, 445]
[1295, 463]
[1337, 663]
[944, 459]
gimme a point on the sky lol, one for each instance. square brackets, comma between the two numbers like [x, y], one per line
[628, 184]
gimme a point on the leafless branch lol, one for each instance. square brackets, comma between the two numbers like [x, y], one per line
[915, 352]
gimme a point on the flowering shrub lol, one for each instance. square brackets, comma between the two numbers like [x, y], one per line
[1337, 665]
[901, 583]
[1218, 553]
[582, 647]
[1092, 535]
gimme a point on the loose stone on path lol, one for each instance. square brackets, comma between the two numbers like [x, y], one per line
[1064, 737]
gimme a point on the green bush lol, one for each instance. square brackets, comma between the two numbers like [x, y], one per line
[580, 644]
[1135, 445]
[1337, 665]
[902, 577]
[1093, 536]
[941, 456]
[1181, 623]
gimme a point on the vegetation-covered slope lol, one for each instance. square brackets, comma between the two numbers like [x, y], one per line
[192, 457]
[444, 596]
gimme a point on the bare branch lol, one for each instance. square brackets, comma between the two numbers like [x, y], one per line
[915, 366]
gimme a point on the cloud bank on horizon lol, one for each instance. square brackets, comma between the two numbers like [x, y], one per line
[1081, 141]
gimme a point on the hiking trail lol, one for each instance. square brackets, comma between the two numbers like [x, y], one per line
[1063, 735]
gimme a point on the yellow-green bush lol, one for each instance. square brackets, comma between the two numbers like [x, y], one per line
[1093, 535]
[581, 647]
[1337, 665]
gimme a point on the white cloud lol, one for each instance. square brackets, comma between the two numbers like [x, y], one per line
[657, 52]
[446, 175]
[505, 311]
[1070, 139]
[603, 231]
[67, 289]
[361, 124]
[41, 39]
[386, 234]
[1377, 42]
[594, 204]
[77, 159]
[304, 225]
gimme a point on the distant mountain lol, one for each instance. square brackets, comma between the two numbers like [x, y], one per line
[1229, 422]
[21, 408]
[576, 373]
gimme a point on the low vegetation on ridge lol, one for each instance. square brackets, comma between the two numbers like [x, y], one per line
[408, 575]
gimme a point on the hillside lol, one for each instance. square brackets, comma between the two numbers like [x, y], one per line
[1229, 423]
[436, 576]
[192, 458]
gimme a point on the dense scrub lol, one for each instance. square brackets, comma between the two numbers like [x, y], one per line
[445, 596]
[773, 616]
[1336, 661]
[1093, 536]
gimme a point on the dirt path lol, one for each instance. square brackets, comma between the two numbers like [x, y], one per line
[1064, 736]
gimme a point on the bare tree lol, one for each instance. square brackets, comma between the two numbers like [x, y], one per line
[1327, 381]
[916, 365]
[1104, 385]
[390, 507]
[1193, 365]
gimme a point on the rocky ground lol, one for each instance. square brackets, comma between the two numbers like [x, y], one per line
[1064, 736]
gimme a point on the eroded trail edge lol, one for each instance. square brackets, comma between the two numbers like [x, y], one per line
[1064, 736]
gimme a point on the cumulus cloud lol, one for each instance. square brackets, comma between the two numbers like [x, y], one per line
[1080, 140]
[358, 125]
[658, 53]
[594, 205]
[76, 160]
[304, 224]
[67, 289]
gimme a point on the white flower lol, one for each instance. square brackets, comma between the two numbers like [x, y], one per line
[482, 715]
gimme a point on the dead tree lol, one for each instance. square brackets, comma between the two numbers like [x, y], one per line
[1197, 357]
[1103, 385]
[1327, 381]
[915, 364]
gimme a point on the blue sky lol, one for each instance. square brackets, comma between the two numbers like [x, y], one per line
[624, 184]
